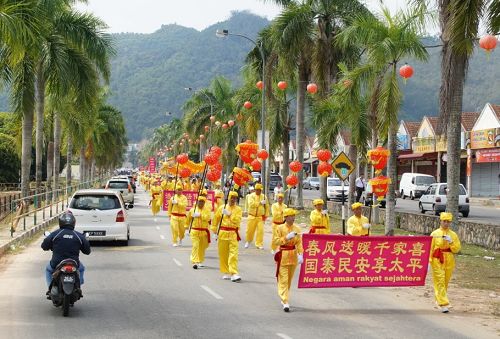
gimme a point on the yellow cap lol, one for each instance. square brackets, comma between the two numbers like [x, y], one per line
[258, 186]
[202, 198]
[178, 187]
[203, 193]
[318, 202]
[280, 195]
[445, 216]
[219, 194]
[288, 212]
[233, 194]
[356, 205]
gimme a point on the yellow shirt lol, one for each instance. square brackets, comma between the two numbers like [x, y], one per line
[277, 212]
[355, 225]
[288, 257]
[179, 208]
[439, 242]
[202, 221]
[255, 208]
[319, 219]
[232, 221]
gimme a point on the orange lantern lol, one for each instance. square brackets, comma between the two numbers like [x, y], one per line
[247, 105]
[241, 176]
[182, 158]
[380, 186]
[216, 150]
[488, 43]
[213, 175]
[259, 85]
[256, 165]
[324, 155]
[292, 180]
[185, 172]
[247, 151]
[295, 166]
[325, 169]
[262, 154]
[378, 158]
[207, 128]
[282, 85]
[225, 126]
[312, 88]
[211, 159]
[406, 71]
[230, 123]
[217, 166]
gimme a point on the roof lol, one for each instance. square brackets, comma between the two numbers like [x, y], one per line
[434, 121]
[412, 127]
[496, 108]
[469, 119]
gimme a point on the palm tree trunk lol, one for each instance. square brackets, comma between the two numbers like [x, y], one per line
[40, 101]
[390, 209]
[57, 148]
[82, 164]
[299, 118]
[50, 164]
[69, 156]
[27, 142]
[285, 150]
[353, 156]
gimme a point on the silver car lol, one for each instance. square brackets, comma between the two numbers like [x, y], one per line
[124, 187]
[311, 183]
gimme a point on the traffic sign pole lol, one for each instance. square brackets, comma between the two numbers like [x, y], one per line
[343, 210]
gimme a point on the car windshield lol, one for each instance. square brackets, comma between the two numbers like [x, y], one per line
[118, 184]
[442, 190]
[95, 202]
[424, 181]
[275, 178]
[314, 179]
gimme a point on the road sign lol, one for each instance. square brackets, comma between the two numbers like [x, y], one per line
[342, 166]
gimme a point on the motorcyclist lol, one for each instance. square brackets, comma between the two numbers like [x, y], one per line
[65, 243]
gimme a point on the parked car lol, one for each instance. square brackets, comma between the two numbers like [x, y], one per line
[367, 197]
[311, 183]
[274, 179]
[334, 189]
[413, 185]
[100, 214]
[122, 186]
[434, 199]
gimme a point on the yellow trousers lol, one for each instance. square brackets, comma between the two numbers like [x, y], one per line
[177, 226]
[285, 277]
[200, 244]
[441, 276]
[252, 225]
[228, 256]
[155, 206]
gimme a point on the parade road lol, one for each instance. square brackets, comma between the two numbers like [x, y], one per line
[149, 290]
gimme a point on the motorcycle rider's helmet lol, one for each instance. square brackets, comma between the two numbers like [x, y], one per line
[67, 220]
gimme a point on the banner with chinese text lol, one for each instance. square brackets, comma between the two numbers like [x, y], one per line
[191, 198]
[152, 165]
[375, 261]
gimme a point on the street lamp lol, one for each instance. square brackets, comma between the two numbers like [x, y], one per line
[224, 33]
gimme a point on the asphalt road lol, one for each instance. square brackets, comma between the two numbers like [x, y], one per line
[149, 290]
[481, 214]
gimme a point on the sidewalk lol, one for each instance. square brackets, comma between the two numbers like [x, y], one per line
[492, 202]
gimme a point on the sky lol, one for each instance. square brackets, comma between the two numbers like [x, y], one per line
[147, 16]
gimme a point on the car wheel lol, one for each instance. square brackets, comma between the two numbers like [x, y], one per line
[436, 212]
[465, 214]
[123, 242]
[402, 195]
[421, 208]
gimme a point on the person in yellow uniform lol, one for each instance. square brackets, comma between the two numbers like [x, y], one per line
[289, 240]
[445, 244]
[258, 211]
[278, 219]
[199, 218]
[177, 212]
[164, 184]
[148, 182]
[228, 237]
[218, 196]
[320, 221]
[156, 199]
[358, 224]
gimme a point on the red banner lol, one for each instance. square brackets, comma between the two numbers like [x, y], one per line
[190, 195]
[152, 165]
[488, 155]
[374, 261]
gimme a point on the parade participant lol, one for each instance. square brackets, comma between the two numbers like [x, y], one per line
[258, 211]
[156, 199]
[251, 189]
[148, 181]
[195, 186]
[278, 219]
[358, 224]
[164, 184]
[199, 219]
[445, 244]
[228, 237]
[320, 221]
[219, 195]
[277, 190]
[177, 212]
[287, 237]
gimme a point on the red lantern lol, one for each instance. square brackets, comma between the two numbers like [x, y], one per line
[295, 166]
[324, 155]
[312, 88]
[262, 154]
[247, 105]
[230, 123]
[216, 150]
[180, 144]
[325, 169]
[488, 43]
[217, 167]
[225, 126]
[259, 85]
[213, 175]
[241, 176]
[292, 180]
[185, 172]
[406, 71]
[211, 159]
[282, 85]
[182, 158]
[256, 165]
[378, 158]
[380, 186]
[207, 128]
[247, 151]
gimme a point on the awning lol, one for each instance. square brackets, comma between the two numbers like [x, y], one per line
[411, 156]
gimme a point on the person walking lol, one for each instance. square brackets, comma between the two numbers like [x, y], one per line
[177, 212]
[258, 211]
[199, 219]
[358, 224]
[277, 190]
[445, 244]
[320, 221]
[360, 187]
[277, 210]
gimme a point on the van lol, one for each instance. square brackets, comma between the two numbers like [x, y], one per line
[413, 185]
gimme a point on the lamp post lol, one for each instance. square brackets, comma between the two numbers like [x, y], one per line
[224, 33]
[211, 114]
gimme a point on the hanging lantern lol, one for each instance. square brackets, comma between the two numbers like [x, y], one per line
[247, 151]
[216, 150]
[182, 158]
[256, 165]
[488, 43]
[406, 71]
[324, 155]
[325, 169]
[213, 175]
[282, 85]
[241, 176]
[259, 85]
[180, 144]
[185, 172]
[292, 180]
[217, 167]
[212, 118]
[380, 186]
[295, 166]
[207, 128]
[202, 137]
[225, 126]
[378, 158]
[230, 123]
[211, 159]
[262, 154]
[247, 105]
[312, 88]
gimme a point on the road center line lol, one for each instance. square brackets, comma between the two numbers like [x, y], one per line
[162, 237]
[212, 293]
[284, 336]
[177, 262]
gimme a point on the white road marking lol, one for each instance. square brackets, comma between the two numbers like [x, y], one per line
[284, 336]
[158, 228]
[212, 293]
[177, 262]
[162, 237]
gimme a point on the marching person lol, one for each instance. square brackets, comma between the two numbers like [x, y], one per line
[360, 187]
[156, 199]
[358, 224]
[278, 219]
[320, 221]
[228, 237]
[287, 237]
[218, 199]
[177, 212]
[199, 218]
[445, 244]
[258, 211]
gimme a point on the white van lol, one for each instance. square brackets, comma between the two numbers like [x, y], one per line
[413, 185]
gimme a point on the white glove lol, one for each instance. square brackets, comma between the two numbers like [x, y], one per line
[196, 214]
[226, 212]
[300, 259]
[324, 212]
[262, 202]
[447, 238]
[367, 226]
[290, 235]
[174, 202]
[215, 236]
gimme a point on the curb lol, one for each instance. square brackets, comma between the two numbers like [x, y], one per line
[26, 234]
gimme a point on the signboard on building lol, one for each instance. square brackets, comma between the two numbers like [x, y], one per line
[424, 145]
[485, 138]
[490, 155]
[441, 145]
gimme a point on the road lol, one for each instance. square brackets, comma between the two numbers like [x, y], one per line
[480, 214]
[149, 290]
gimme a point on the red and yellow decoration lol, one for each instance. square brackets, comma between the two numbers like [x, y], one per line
[378, 158]
[325, 169]
[380, 186]
[291, 180]
[247, 151]
[241, 176]
[295, 166]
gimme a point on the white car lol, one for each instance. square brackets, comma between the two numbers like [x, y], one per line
[123, 186]
[100, 214]
[334, 189]
[434, 199]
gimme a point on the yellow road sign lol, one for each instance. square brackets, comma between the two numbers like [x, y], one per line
[342, 166]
